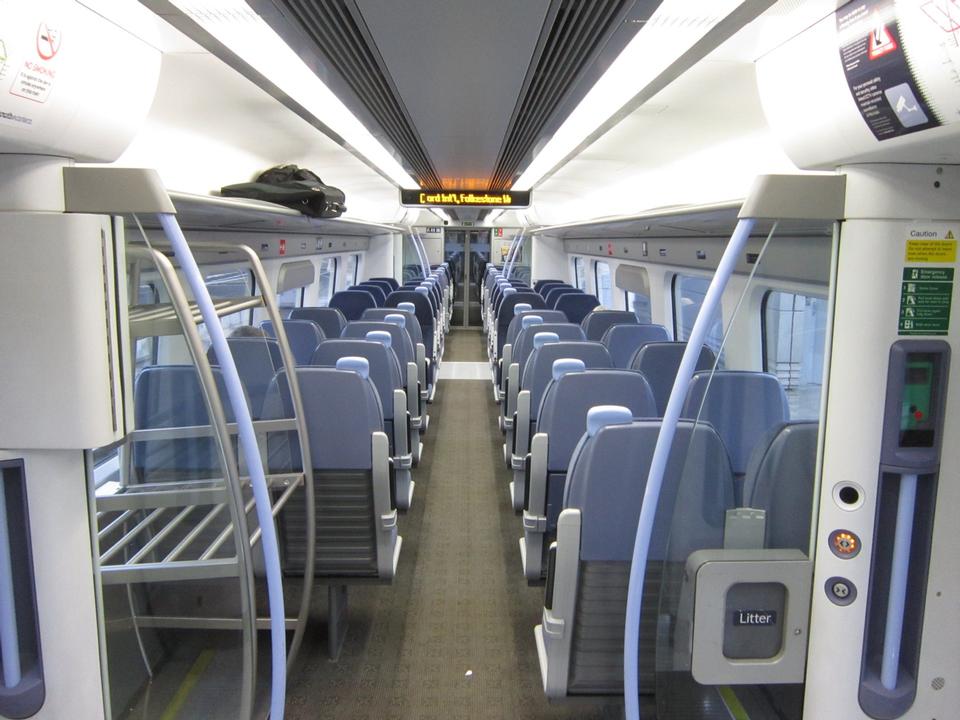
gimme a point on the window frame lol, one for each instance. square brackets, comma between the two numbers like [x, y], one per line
[677, 321]
[332, 287]
[579, 270]
[596, 283]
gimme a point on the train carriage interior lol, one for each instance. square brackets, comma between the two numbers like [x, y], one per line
[479, 359]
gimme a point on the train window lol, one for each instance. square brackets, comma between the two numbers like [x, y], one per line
[639, 303]
[328, 280]
[794, 334]
[579, 273]
[603, 283]
[146, 351]
[226, 285]
[689, 292]
[292, 298]
[351, 268]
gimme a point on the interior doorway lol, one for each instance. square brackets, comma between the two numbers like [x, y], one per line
[468, 252]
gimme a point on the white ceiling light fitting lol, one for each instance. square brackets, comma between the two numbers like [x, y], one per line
[671, 31]
[234, 24]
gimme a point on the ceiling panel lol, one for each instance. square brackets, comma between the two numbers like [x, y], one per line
[459, 66]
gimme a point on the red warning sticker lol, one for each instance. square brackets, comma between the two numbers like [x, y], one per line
[283, 246]
[48, 41]
[881, 42]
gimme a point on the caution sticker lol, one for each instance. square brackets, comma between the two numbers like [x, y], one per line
[925, 298]
[929, 246]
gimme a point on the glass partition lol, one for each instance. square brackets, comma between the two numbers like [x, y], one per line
[728, 577]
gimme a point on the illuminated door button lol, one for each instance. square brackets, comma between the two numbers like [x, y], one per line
[844, 544]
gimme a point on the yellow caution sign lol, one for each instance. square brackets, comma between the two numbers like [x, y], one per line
[932, 251]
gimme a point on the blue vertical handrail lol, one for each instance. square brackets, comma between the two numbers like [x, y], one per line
[658, 465]
[899, 573]
[9, 636]
[512, 255]
[251, 453]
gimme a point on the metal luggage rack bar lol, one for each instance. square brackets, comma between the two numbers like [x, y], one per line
[162, 319]
[148, 515]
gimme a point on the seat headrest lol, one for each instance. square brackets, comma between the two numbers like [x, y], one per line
[521, 307]
[396, 319]
[528, 320]
[567, 365]
[601, 416]
[509, 290]
[422, 290]
[408, 307]
[541, 339]
[359, 365]
[380, 336]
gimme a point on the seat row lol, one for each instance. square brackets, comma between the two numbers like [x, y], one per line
[364, 383]
[581, 412]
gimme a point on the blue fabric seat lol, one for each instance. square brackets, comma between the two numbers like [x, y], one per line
[392, 282]
[576, 306]
[742, 407]
[356, 524]
[384, 372]
[303, 336]
[257, 361]
[519, 354]
[555, 293]
[382, 284]
[379, 294]
[780, 480]
[563, 416]
[330, 320]
[538, 285]
[596, 323]
[659, 362]
[548, 286]
[352, 303]
[623, 341]
[505, 314]
[169, 396]
[537, 374]
[580, 642]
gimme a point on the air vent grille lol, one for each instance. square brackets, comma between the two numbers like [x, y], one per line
[342, 37]
[577, 35]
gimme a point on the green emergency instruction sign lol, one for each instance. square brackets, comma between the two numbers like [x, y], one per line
[925, 298]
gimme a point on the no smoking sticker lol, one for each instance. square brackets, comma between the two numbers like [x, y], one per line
[48, 42]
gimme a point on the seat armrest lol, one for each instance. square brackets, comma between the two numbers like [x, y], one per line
[384, 513]
[521, 425]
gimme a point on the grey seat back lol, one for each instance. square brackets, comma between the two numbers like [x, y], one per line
[505, 313]
[577, 306]
[384, 368]
[257, 361]
[563, 417]
[780, 480]
[523, 346]
[342, 412]
[303, 336]
[330, 320]
[411, 324]
[538, 371]
[596, 323]
[516, 324]
[606, 483]
[400, 338]
[741, 406]
[659, 362]
[623, 341]
[540, 284]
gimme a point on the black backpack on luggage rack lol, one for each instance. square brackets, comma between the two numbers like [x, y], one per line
[294, 187]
